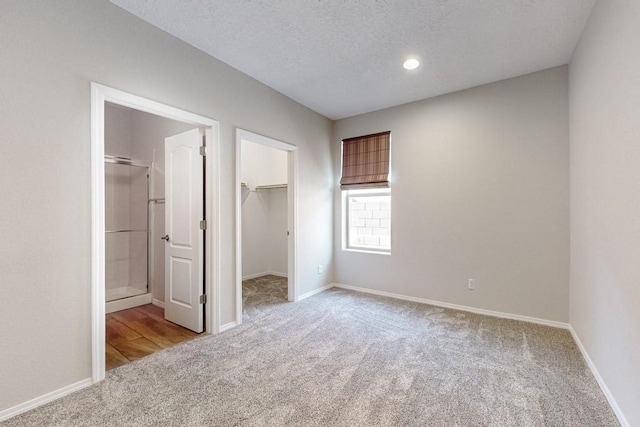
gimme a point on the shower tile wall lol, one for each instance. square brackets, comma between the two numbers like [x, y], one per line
[126, 208]
[117, 196]
[138, 201]
[116, 218]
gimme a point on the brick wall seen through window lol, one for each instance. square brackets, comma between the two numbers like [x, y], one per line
[369, 221]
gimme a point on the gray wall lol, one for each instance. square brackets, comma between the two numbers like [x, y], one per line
[50, 52]
[605, 197]
[480, 189]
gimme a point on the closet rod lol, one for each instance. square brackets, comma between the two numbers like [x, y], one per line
[127, 231]
[158, 200]
[270, 187]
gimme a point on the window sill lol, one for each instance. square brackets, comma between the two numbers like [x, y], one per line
[365, 251]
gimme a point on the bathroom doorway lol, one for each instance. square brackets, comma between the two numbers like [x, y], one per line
[155, 188]
[142, 167]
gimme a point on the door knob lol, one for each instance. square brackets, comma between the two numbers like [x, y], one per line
[165, 237]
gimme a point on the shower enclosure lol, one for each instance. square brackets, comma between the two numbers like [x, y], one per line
[127, 233]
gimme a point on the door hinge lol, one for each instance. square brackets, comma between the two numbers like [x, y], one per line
[203, 224]
[203, 151]
[203, 299]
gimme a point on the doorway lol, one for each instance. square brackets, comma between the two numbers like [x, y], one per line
[266, 221]
[146, 238]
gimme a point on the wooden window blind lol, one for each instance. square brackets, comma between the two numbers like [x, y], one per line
[365, 161]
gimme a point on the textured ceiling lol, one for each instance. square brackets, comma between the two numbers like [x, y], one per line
[344, 57]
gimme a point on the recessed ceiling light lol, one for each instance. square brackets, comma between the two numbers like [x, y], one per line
[411, 64]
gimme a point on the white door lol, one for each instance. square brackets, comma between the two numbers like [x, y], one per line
[184, 273]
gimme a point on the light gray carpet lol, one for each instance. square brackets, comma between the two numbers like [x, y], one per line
[262, 294]
[348, 359]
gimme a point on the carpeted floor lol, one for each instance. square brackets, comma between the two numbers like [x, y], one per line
[261, 295]
[342, 358]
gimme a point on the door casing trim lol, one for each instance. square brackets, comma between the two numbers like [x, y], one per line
[292, 213]
[99, 95]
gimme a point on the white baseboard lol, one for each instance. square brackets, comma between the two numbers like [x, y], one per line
[315, 291]
[130, 302]
[266, 273]
[253, 276]
[45, 398]
[227, 326]
[157, 303]
[605, 390]
[275, 273]
[545, 322]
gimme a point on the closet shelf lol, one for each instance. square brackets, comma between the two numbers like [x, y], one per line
[270, 187]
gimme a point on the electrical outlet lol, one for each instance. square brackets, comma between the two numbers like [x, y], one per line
[320, 269]
[472, 284]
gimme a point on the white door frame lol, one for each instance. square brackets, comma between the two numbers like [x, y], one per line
[99, 95]
[292, 213]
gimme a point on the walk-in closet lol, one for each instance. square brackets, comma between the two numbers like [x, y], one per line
[264, 197]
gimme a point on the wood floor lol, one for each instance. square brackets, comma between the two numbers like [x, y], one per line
[138, 332]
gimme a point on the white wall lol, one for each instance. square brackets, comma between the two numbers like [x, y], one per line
[264, 212]
[118, 128]
[50, 53]
[255, 244]
[262, 165]
[605, 197]
[479, 190]
[278, 217]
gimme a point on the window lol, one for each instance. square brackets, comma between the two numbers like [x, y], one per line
[369, 220]
[367, 200]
